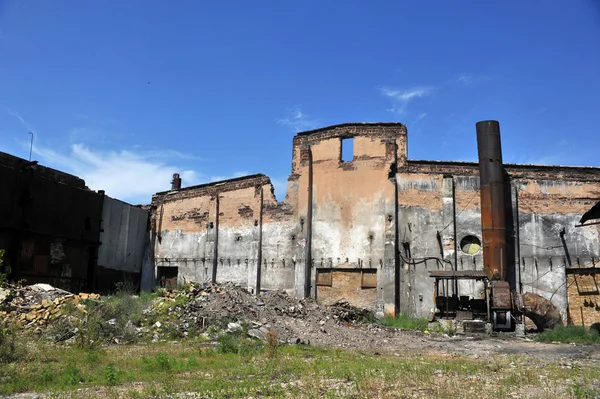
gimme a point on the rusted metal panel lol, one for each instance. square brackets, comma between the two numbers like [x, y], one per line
[501, 298]
[369, 278]
[493, 212]
[463, 274]
[324, 277]
[539, 309]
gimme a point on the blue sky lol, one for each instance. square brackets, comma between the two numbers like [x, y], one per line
[125, 93]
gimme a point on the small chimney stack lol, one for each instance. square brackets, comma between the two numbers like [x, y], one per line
[176, 182]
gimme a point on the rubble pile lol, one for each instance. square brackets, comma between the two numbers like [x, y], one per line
[37, 305]
[292, 319]
[211, 309]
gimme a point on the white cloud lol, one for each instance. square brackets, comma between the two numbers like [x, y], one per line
[401, 98]
[297, 120]
[21, 119]
[464, 78]
[126, 175]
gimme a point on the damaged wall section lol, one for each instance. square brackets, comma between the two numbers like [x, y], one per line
[375, 214]
[49, 224]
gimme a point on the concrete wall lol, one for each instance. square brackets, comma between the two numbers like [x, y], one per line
[543, 202]
[349, 216]
[123, 236]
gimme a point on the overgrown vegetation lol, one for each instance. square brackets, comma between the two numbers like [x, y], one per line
[405, 322]
[569, 334]
[160, 370]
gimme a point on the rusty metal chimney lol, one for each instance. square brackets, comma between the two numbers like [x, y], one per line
[493, 211]
[176, 182]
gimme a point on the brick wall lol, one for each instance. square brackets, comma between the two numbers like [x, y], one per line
[584, 299]
[347, 285]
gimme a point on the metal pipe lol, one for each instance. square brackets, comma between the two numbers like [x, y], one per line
[260, 243]
[309, 217]
[493, 211]
[176, 182]
[216, 246]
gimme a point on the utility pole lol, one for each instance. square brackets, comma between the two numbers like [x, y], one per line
[30, 146]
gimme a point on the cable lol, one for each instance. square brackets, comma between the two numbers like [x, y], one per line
[418, 261]
[462, 210]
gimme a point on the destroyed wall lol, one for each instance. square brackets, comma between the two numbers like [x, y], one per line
[436, 198]
[551, 204]
[49, 224]
[347, 210]
[342, 212]
[218, 227]
[335, 234]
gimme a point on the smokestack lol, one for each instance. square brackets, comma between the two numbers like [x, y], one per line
[493, 212]
[176, 182]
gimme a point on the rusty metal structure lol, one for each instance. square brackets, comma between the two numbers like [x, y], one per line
[493, 220]
[502, 305]
[493, 210]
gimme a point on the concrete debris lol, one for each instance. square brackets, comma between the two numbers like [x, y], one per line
[39, 304]
[290, 318]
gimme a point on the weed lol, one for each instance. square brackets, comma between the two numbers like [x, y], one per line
[71, 375]
[228, 343]
[582, 392]
[271, 343]
[569, 334]
[11, 346]
[405, 322]
[111, 374]
[163, 362]
[249, 347]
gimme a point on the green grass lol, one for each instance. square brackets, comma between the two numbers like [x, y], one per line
[569, 334]
[405, 322]
[157, 370]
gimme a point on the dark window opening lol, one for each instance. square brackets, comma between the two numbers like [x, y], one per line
[88, 223]
[348, 149]
[167, 276]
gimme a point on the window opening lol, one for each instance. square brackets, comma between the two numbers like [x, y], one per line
[470, 245]
[347, 149]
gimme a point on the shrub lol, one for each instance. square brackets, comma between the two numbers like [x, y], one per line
[569, 334]
[228, 343]
[11, 346]
[405, 322]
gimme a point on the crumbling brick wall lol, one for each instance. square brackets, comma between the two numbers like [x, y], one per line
[542, 202]
[353, 214]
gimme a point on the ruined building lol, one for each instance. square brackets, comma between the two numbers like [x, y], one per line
[54, 229]
[372, 228]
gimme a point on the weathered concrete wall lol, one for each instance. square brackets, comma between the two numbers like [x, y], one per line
[122, 236]
[544, 201]
[353, 215]
[190, 221]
